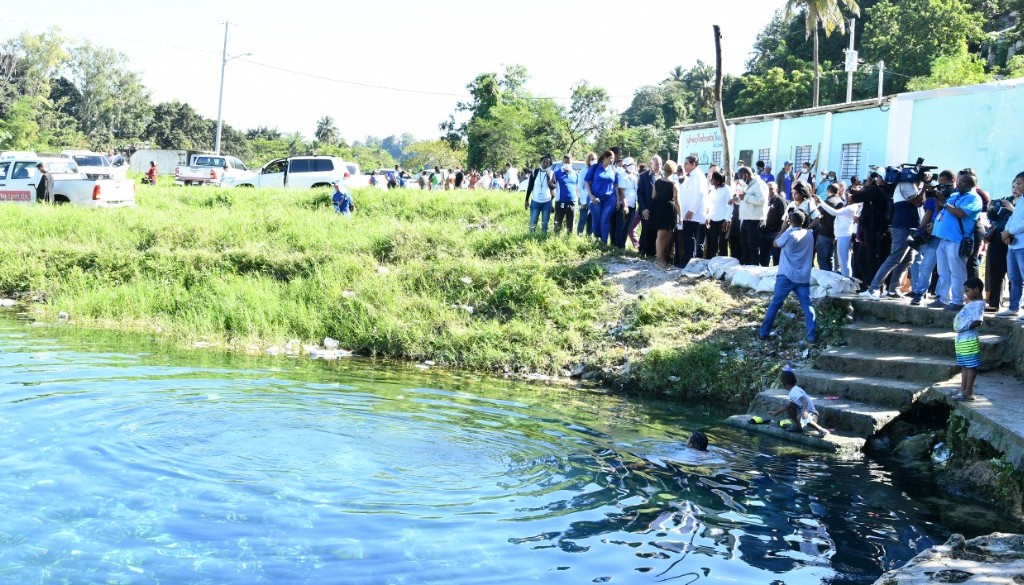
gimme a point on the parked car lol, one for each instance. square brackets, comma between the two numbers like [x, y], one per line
[300, 172]
[214, 170]
[95, 165]
[19, 177]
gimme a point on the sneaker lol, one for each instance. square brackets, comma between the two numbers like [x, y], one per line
[991, 309]
[915, 300]
[952, 308]
[895, 294]
[870, 295]
[936, 304]
[1007, 313]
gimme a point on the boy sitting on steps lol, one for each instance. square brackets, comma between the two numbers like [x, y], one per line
[800, 407]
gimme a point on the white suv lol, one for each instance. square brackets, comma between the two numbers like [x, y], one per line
[299, 172]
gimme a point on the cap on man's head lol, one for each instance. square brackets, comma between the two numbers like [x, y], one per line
[545, 156]
[787, 163]
[745, 170]
[628, 162]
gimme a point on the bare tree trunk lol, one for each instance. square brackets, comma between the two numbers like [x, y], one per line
[817, 69]
[719, 112]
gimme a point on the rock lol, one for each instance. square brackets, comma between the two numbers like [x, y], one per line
[916, 447]
[466, 280]
[997, 559]
[577, 371]
[428, 363]
[673, 378]
[331, 343]
[347, 294]
[383, 270]
[273, 350]
[63, 316]
[7, 302]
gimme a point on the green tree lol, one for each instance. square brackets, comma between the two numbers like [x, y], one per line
[587, 115]
[773, 91]
[909, 35]
[326, 132]
[962, 68]
[1015, 67]
[115, 106]
[428, 153]
[827, 15]
[177, 125]
[640, 142]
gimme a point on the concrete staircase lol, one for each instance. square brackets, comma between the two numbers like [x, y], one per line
[893, 354]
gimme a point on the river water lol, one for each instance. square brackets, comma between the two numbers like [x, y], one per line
[124, 462]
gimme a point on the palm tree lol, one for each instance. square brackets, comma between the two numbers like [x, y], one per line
[677, 74]
[326, 133]
[829, 16]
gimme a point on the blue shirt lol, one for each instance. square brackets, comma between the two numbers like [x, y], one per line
[797, 254]
[767, 177]
[342, 201]
[602, 181]
[948, 227]
[567, 179]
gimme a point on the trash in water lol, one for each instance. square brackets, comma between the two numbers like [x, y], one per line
[940, 454]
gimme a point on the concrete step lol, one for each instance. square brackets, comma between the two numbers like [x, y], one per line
[920, 340]
[905, 366]
[859, 418]
[839, 442]
[895, 394]
[900, 311]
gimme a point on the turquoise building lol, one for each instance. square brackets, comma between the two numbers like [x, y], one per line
[978, 126]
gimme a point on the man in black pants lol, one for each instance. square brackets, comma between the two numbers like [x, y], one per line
[753, 204]
[644, 198]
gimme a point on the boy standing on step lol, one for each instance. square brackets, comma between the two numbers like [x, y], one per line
[968, 348]
[800, 407]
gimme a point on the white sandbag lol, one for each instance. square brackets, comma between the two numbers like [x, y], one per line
[818, 292]
[766, 284]
[832, 282]
[747, 276]
[719, 264]
[696, 267]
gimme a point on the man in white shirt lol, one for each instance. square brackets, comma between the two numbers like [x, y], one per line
[753, 202]
[511, 175]
[692, 212]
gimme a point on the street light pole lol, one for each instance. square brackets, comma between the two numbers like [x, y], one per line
[220, 99]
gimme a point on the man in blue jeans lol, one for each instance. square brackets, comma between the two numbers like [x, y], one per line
[905, 217]
[797, 246]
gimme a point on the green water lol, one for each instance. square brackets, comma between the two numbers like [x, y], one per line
[125, 463]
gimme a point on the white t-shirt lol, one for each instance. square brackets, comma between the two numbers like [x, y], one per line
[511, 176]
[802, 400]
[693, 196]
[721, 209]
[541, 190]
[628, 182]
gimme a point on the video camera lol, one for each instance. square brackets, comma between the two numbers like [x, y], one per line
[916, 172]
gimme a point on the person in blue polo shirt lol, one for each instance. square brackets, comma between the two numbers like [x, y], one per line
[600, 182]
[565, 206]
[785, 180]
[342, 200]
[954, 221]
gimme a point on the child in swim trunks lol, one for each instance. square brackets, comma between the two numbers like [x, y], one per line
[968, 348]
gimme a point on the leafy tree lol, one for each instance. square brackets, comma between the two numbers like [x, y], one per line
[963, 68]
[177, 125]
[827, 15]
[773, 91]
[428, 153]
[326, 132]
[699, 82]
[909, 35]
[1015, 67]
[263, 133]
[640, 142]
[586, 116]
[115, 105]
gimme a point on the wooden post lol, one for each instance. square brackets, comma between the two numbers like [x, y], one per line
[719, 112]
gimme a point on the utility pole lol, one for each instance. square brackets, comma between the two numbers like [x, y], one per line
[851, 61]
[220, 99]
[719, 112]
[881, 78]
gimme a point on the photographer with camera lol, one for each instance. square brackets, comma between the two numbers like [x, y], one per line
[996, 251]
[927, 246]
[906, 216]
[954, 227]
[873, 226]
[1013, 237]
[979, 228]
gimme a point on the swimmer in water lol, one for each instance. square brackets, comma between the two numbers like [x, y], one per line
[698, 441]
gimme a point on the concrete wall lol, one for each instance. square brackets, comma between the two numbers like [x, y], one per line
[865, 127]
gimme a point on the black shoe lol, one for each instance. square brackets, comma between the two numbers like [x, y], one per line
[916, 300]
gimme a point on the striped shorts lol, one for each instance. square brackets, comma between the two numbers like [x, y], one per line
[968, 353]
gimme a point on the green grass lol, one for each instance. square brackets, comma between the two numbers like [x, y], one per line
[257, 267]
[452, 277]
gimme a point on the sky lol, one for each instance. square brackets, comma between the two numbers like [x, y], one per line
[388, 67]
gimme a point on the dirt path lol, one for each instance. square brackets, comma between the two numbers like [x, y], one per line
[635, 277]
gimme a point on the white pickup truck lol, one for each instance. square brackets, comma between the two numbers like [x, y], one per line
[19, 177]
[213, 169]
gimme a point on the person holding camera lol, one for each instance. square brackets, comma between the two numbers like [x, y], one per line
[1013, 237]
[797, 245]
[873, 225]
[997, 252]
[927, 246]
[909, 198]
[954, 227]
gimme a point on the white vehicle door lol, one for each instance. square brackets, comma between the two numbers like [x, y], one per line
[272, 174]
[19, 183]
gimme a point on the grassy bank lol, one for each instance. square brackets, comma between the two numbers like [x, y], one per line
[448, 277]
